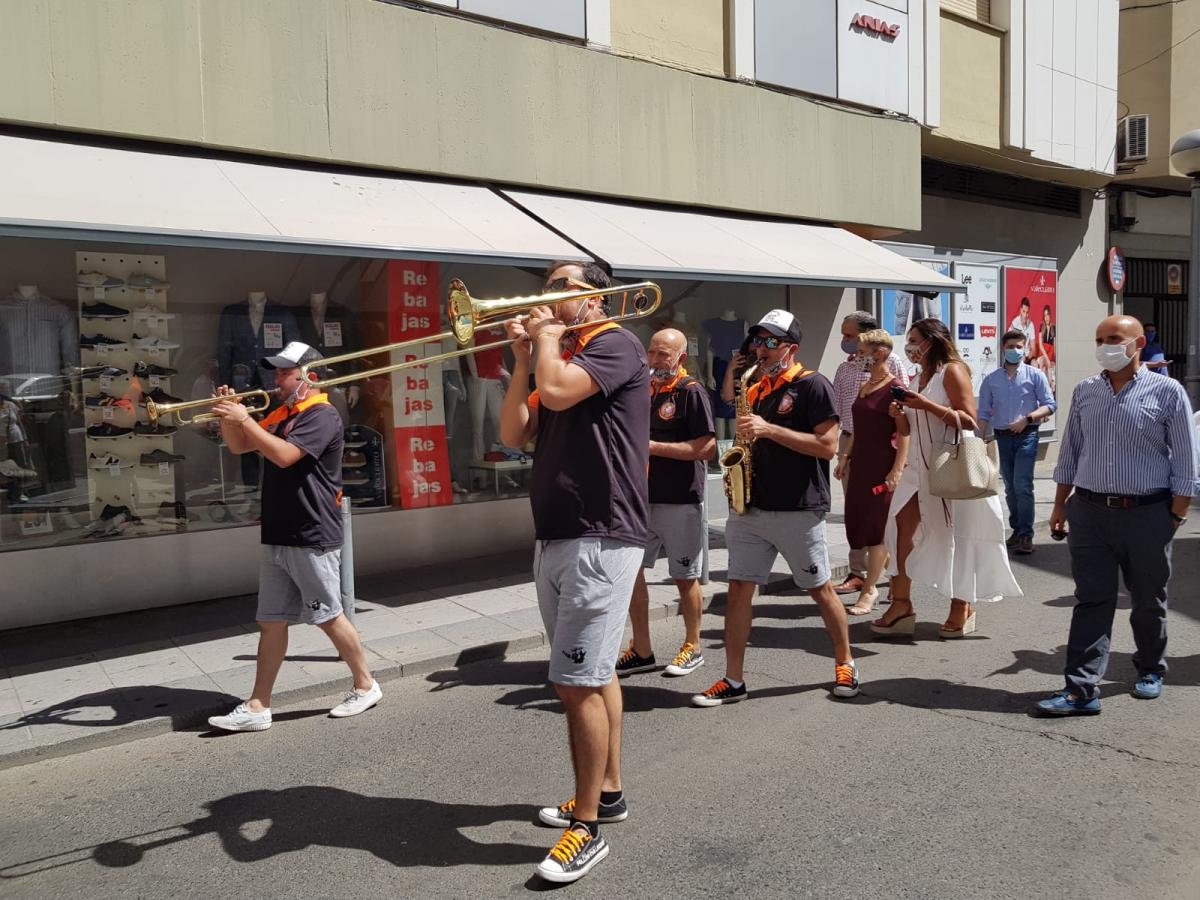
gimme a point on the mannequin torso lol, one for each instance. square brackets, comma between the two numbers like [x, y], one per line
[257, 301]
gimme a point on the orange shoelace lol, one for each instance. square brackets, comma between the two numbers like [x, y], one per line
[569, 845]
[844, 674]
[686, 652]
[720, 687]
[567, 808]
[629, 654]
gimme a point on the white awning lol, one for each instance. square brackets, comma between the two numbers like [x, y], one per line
[82, 192]
[648, 242]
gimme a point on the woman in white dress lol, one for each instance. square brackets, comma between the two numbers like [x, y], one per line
[952, 548]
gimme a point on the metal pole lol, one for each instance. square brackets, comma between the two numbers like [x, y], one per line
[1192, 380]
[704, 519]
[348, 597]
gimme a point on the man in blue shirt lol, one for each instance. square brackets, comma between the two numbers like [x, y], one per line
[1153, 355]
[1129, 455]
[1014, 400]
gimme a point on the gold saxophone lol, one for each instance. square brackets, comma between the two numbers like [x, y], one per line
[736, 461]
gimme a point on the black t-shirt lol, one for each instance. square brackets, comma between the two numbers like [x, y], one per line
[679, 412]
[589, 469]
[783, 479]
[300, 504]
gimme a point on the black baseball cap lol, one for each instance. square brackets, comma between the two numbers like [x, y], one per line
[292, 356]
[782, 324]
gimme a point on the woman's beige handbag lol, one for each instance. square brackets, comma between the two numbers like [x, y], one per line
[967, 469]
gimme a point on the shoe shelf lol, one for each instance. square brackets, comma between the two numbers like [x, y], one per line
[125, 324]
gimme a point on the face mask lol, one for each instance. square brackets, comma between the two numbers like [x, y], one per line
[1151, 334]
[1113, 357]
[1014, 355]
[914, 352]
[849, 346]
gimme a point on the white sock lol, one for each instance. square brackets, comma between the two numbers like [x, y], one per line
[733, 684]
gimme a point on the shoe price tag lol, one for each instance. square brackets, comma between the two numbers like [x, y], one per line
[155, 381]
[105, 382]
[333, 334]
[164, 468]
[98, 293]
[114, 471]
[149, 293]
[102, 349]
[106, 413]
[273, 335]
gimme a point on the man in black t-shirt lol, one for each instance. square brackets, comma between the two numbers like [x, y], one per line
[794, 430]
[300, 573]
[682, 437]
[590, 415]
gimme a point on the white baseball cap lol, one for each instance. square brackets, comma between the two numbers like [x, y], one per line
[782, 324]
[293, 355]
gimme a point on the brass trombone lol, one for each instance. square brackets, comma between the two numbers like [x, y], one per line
[155, 411]
[468, 314]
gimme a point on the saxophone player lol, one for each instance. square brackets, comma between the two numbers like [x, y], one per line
[793, 431]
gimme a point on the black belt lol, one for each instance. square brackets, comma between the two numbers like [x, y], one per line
[1123, 501]
[1027, 430]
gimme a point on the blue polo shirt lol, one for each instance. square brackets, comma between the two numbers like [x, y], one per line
[1003, 400]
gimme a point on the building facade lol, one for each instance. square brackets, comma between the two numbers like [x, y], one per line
[195, 182]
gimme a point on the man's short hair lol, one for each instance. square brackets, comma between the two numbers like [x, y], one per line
[1013, 335]
[1024, 301]
[877, 337]
[864, 320]
[593, 273]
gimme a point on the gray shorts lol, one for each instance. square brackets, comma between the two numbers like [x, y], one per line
[583, 589]
[679, 529]
[757, 538]
[299, 584]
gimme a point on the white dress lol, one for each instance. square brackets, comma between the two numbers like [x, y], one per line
[958, 550]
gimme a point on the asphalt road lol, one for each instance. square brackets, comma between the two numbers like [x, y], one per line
[934, 784]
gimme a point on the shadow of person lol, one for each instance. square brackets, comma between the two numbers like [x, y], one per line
[1181, 670]
[488, 674]
[401, 831]
[184, 706]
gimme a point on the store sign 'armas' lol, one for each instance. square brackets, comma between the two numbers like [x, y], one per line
[880, 27]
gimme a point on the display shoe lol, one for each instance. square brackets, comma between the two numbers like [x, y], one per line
[154, 430]
[903, 626]
[146, 282]
[158, 395]
[151, 312]
[98, 280]
[105, 461]
[107, 430]
[92, 372]
[91, 342]
[968, 627]
[157, 457]
[152, 343]
[101, 398]
[10, 468]
[145, 370]
[102, 311]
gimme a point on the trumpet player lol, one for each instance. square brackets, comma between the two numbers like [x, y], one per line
[300, 572]
[591, 417]
[792, 427]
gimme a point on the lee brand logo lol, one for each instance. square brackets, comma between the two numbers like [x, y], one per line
[880, 27]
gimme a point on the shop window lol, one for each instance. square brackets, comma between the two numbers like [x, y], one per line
[89, 335]
[564, 17]
[979, 10]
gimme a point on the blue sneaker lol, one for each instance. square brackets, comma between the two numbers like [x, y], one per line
[1064, 703]
[1149, 687]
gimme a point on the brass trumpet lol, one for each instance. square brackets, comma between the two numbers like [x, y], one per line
[155, 411]
[468, 314]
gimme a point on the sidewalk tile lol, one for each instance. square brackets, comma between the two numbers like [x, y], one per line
[412, 646]
[477, 631]
[154, 667]
[529, 619]
[221, 652]
[434, 614]
[493, 602]
[46, 688]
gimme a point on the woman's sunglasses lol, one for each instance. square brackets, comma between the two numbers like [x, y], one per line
[768, 341]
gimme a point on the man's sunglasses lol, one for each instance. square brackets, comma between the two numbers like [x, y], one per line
[769, 341]
[558, 285]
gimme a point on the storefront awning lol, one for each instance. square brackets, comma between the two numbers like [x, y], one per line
[82, 192]
[647, 242]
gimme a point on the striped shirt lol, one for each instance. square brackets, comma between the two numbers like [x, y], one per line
[848, 381]
[1136, 442]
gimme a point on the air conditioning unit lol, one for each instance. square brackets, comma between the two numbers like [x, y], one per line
[1133, 139]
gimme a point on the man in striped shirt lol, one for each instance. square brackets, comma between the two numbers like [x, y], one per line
[1129, 455]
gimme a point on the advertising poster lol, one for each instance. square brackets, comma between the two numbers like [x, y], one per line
[422, 461]
[977, 319]
[899, 309]
[1031, 307]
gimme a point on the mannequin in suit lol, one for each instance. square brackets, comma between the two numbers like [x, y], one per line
[333, 330]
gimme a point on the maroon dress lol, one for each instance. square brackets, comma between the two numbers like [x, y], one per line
[871, 458]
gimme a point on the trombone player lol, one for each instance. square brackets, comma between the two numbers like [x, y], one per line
[300, 573]
[590, 415]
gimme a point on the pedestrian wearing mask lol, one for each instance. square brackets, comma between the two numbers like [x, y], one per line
[1126, 475]
[954, 548]
[851, 375]
[1014, 401]
[876, 454]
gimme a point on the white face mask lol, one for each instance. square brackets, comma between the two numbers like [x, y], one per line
[915, 352]
[1113, 357]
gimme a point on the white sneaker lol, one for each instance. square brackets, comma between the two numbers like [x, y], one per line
[151, 312]
[242, 719]
[355, 703]
[153, 343]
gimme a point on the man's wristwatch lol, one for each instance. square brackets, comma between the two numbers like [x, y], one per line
[1178, 519]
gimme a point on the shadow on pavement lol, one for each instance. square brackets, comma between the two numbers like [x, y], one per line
[184, 706]
[257, 825]
[1181, 670]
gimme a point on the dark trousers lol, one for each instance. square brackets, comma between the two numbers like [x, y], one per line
[1135, 543]
[1018, 455]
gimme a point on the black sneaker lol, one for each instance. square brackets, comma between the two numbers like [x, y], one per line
[629, 663]
[720, 693]
[576, 853]
[1024, 545]
[107, 430]
[102, 311]
[1012, 540]
[145, 370]
[153, 430]
[155, 457]
[158, 395]
[562, 816]
[92, 372]
[98, 340]
[100, 398]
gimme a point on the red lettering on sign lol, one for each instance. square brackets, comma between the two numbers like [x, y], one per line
[880, 27]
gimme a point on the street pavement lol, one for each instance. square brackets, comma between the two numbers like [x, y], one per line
[935, 783]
